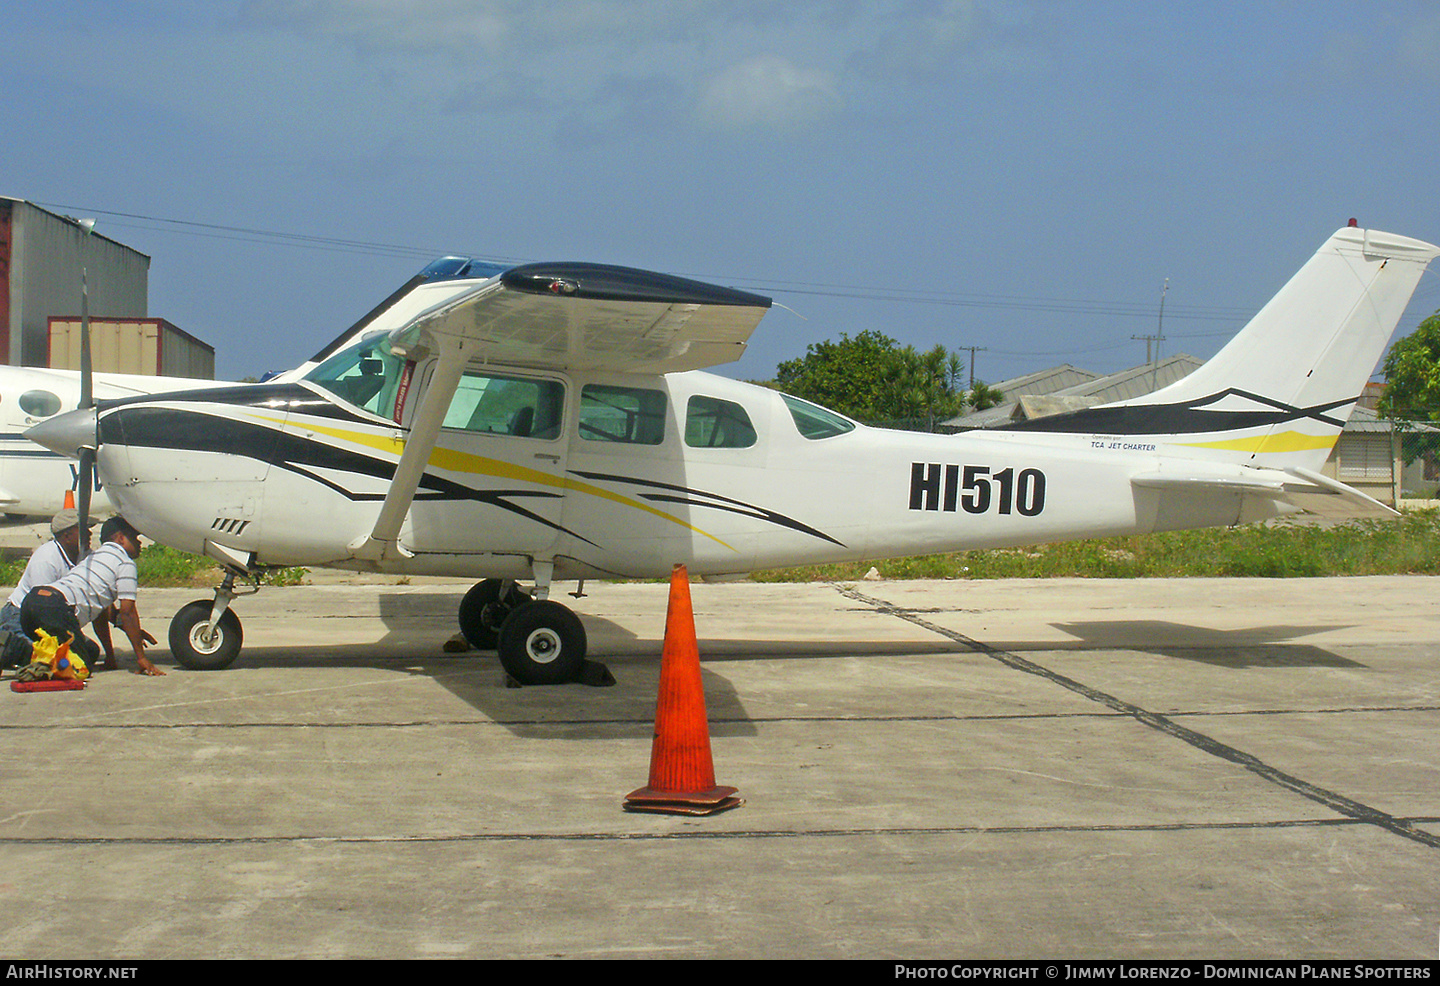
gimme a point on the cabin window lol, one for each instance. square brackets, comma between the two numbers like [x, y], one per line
[813, 421]
[39, 403]
[630, 415]
[366, 375]
[494, 404]
[713, 423]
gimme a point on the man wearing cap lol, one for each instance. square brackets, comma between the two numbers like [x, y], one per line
[49, 562]
[106, 577]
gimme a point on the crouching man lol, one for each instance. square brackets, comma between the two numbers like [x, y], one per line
[104, 579]
[49, 562]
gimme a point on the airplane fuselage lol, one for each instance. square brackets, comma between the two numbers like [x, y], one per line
[627, 476]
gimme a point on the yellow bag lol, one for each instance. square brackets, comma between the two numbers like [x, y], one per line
[62, 661]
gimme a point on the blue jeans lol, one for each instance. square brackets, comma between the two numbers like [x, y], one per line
[16, 650]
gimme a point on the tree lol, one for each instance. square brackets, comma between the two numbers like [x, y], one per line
[873, 379]
[1412, 386]
[851, 376]
[983, 396]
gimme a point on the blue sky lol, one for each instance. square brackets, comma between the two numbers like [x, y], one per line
[1020, 176]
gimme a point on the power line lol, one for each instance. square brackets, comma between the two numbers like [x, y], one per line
[862, 292]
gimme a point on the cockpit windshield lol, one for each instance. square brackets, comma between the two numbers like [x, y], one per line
[366, 375]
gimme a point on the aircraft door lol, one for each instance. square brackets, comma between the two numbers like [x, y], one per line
[495, 483]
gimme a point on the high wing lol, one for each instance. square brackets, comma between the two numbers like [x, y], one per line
[593, 317]
[562, 316]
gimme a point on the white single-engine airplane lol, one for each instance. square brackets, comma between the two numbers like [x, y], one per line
[546, 422]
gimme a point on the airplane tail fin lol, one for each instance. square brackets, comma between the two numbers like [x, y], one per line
[1279, 393]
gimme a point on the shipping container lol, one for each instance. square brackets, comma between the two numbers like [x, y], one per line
[149, 346]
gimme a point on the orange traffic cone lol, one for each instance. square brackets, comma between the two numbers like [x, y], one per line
[682, 773]
[69, 503]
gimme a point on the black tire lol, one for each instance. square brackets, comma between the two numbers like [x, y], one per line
[542, 643]
[483, 611]
[190, 650]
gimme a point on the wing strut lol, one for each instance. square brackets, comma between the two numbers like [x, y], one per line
[383, 543]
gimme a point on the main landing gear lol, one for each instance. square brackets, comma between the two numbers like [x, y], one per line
[540, 642]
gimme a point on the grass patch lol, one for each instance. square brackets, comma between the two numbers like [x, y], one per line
[1408, 545]
[161, 567]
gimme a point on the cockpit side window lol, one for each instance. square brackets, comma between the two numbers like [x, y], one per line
[524, 407]
[714, 423]
[366, 375]
[813, 421]
[632, 415]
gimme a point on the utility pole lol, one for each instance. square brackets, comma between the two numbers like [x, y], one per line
[1159, 335]
[973, 351]
[1148, 340]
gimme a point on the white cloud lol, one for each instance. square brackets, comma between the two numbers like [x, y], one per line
[727, 64]
[767, 91]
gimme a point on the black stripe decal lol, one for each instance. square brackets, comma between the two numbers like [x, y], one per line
[195, 430]
[1183, 418]
[693, 498]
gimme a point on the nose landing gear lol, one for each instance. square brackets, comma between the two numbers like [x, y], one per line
[205, 635]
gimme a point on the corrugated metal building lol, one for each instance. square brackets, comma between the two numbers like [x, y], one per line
[1036, 384]
[1036, 396]
[41, 256]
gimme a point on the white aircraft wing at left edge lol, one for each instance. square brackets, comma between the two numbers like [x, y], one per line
[33, 479]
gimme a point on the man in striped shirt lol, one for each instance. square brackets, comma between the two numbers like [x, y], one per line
[106, 577]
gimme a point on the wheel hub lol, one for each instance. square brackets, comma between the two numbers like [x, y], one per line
[205, 640]
[543, 645]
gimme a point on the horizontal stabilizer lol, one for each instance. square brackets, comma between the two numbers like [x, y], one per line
[1214, 484]
[1301, 488]
[1330, 498]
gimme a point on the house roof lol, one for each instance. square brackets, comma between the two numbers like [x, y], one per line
[1021, 395]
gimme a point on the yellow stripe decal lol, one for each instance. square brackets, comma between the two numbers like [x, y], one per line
[464, 462]
[1285, 441]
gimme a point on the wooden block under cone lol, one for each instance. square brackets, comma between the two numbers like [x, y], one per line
[682, 772]
[710, 802]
